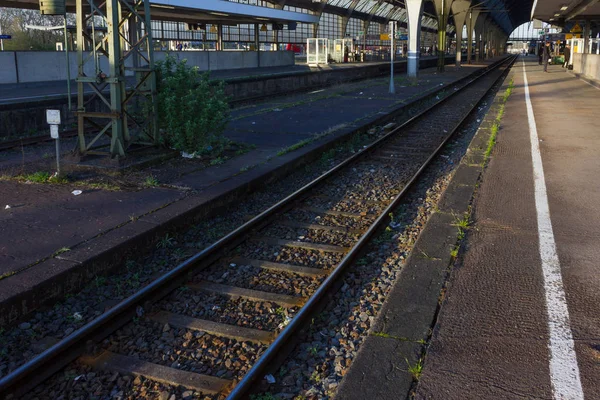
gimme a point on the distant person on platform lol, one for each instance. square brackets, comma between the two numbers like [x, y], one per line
[547, 56]
[541, 54]
[567, 56]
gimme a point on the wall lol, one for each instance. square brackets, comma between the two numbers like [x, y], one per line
[247, 88]
[8, 72]
[39, 66]
[587, 65]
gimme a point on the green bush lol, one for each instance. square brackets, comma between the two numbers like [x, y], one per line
[192, 110]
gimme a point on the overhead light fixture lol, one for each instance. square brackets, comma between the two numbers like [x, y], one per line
[551, 19]
[219, 14]
[262, 19]
[563, 8]
[263, 28]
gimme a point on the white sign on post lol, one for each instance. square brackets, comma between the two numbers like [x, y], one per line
[54, 131]
[53, 117]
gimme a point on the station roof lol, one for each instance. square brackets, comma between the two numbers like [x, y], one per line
[507, 14]
[225, 12]
[209, 11]
[560, 12]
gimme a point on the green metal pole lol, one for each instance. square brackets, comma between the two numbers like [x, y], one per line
[68, 66]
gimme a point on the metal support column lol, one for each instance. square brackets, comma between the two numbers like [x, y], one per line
[586, 37]
[220, 37]
[256, 37]
[442, 8]
[128, 114]
[116, 78]
[415, 12]
[471, 22]
[460, 9]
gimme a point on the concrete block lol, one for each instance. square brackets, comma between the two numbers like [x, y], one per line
[40, 66]
[8, 71]
[35, 66]
[276, 58]
[587, 65]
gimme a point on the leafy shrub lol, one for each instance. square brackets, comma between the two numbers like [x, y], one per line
[192, 110]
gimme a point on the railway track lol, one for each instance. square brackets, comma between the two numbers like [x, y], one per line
[28, 141]
[218, 320]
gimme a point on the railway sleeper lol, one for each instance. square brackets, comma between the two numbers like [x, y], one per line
[249, 294]
[280, 267]
[327, 248]
[113, 362]
[317, 227]
[214, 328]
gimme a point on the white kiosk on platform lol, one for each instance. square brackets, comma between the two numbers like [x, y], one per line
[339, 49]
[317, 51]
[578, 44]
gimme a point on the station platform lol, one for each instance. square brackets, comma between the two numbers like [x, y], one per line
[530, 276]
[520, 313]
[16, 93]
[43, 219]
[23, 105]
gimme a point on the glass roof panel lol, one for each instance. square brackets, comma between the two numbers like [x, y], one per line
[340, 3]
[428, 22]
[384, 10]
[399, 15]
[365, 6]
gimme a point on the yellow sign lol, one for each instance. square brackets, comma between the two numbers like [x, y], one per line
[572, 36]
[576, 29]
[384, 36]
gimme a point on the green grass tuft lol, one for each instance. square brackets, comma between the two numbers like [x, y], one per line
[416, 369]
[294, 147]
[61, 250]
[166, 242]
[151, 181]
[37, 177]
[491, 141]
[218, 161]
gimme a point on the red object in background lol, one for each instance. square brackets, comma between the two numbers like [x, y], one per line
[293, 47]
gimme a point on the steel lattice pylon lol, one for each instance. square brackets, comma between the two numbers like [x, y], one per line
[128, 111]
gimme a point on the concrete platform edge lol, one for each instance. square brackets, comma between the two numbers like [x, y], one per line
[587, 79]
[98, 255]
[403, 328]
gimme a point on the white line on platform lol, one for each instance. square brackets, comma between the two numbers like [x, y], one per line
[564, 371]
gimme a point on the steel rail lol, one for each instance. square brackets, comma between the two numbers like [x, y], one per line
[260, 366]
[28, 141]
[68, 349]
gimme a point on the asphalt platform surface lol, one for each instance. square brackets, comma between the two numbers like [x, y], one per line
[492, 337]
[42, 219]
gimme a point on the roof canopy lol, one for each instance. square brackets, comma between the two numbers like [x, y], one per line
[507, 14]
[226, 12]
[561, 12]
